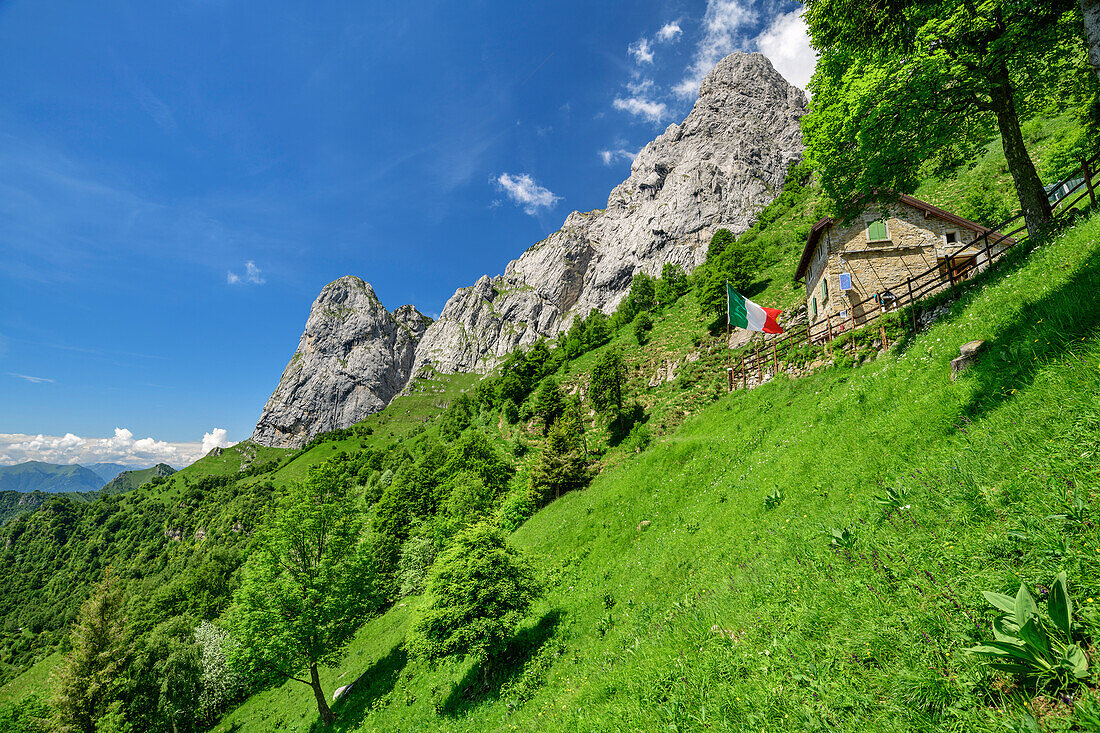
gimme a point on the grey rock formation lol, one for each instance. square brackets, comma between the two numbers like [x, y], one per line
[718, 168]
[352, 359]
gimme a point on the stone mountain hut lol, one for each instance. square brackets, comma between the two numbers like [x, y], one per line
[853, 270]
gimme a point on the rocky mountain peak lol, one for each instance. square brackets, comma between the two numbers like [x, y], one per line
[352, 359]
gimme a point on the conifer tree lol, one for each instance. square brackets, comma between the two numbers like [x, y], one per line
[88, 675]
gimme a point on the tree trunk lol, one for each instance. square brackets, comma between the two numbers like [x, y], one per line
[1090, 11]
[1033, 197]
[322, 703]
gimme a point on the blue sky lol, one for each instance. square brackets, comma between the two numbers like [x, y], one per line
[178, 180]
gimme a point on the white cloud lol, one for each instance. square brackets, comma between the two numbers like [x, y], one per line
[669, 33]
[641, 51]
[610, 156]
[524, 192]
[722, 35]
[786, 42]
[252, 275]
[217, 438]
[118, 448]
[641, 107]
[32, 380]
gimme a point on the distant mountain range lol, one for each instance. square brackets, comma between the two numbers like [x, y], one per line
[48, 477]
[54, 478]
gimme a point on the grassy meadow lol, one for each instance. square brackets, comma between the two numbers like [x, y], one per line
[678, 601]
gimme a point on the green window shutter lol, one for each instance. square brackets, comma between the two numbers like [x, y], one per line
[813, 308]
[824, 288]
[876, 231]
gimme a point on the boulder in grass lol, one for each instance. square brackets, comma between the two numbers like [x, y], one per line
[968, 352]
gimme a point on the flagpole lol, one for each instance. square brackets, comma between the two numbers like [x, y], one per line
[729, 356]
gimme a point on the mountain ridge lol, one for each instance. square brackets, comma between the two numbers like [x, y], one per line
[717, 169]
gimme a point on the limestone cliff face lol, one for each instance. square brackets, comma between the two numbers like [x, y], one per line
[352, 359]
[718, 168]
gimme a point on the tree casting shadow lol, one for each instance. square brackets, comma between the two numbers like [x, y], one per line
[470, 691]
[376, 682]
[1044, 329]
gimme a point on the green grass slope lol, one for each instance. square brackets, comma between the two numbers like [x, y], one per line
[130, 480]
[723, 615]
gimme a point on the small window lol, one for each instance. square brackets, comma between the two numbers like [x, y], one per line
[876, 231]
[824, 288]
[813, 308]
[951, 237]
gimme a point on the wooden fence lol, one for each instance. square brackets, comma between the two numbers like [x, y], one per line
[775, 354]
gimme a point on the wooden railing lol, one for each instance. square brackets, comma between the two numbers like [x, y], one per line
[776, 354]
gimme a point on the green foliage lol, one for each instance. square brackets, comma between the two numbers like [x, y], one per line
[549, 403]
[672, 284]
[1031, 644]
[563, 464]
[774, 499]
[643, 324]
[642, 298]
[608, 382]
[474, 452]
[88, 679]
[221, 685]
[478, 590]
[308, 584]
[841, 539]
[31, 714]
[919, 84]
[597, 330]
[736, 260]
[417, 555]
[469, 500]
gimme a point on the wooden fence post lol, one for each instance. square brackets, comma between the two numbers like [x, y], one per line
[759, 366]
[1087, 172]
[729, 377]
[912, 304]
[829, 325]
[885, 342]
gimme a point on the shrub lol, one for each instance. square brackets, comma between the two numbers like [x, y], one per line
[643, 324]
[469, 500]
[412, 569]
[479, 591]
[221, 684]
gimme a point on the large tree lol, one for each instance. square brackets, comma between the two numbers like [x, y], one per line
[308, 584]
[89, 675]
[901, 83]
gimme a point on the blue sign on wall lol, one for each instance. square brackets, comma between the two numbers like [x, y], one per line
[845, 281]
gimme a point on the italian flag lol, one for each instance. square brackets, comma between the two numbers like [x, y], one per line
[748, 315]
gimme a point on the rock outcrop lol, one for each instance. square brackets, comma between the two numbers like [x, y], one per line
[352, 359]
[718, 168]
